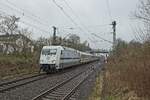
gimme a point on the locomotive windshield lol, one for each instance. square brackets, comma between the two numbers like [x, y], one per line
[49, 51]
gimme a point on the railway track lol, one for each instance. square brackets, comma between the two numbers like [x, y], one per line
[65, 89]
[6, 86]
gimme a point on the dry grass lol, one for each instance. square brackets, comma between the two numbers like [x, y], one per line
[129, 71]
[18, 64]
[96, 93]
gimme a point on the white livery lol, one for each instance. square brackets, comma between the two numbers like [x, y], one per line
[54, 58]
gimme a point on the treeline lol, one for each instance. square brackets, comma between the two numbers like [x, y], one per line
[9, 26]
[72, 41]
[19, 54]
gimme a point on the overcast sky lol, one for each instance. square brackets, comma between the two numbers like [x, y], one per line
[83, 16]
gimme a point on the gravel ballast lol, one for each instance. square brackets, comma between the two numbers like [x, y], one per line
[27, 92]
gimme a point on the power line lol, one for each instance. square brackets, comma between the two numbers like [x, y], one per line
[92, 42]
[61, 8]
[82, 23]
[26, 23]
[67, 15]
[90, 26]
[36, 27]
[102, 38]
[24, 10]
[71, 10]
[102, 25]
[109, 11]
[11, 8]
[23, 14]
[88, 32]
[76, 16]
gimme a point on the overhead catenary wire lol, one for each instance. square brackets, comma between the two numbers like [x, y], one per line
[31, 14]
[64, 12]
[79, 20]
[109, 10]
[31, 25]
[88, 26]
[92, 41]
[73, 12]
[26, 23]
[22, 12]
[88, 32]
[36, 27]
[102, 38]
[76, 16]
[67, 15]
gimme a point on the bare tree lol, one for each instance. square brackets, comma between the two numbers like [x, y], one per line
[25, 32]
[74, 39]
[8, 24]
[143, 14]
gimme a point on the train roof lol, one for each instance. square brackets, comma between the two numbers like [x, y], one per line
[85, 53]
[52, 47]
[66, 48]
[58, 47]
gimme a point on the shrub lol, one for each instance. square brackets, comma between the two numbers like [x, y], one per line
[129, 71]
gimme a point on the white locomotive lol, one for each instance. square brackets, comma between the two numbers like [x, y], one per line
[54, 58]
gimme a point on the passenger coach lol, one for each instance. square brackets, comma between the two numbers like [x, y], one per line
[54, 58]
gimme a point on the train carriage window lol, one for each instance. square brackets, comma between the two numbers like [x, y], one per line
[45, 52]
[53, 51]
[49, 51]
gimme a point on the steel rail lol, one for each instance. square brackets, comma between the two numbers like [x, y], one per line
[67, 96]
[6, 87]
[83, 76]
[40, 96]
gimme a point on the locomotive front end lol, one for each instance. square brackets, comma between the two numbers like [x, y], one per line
[48, 59]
